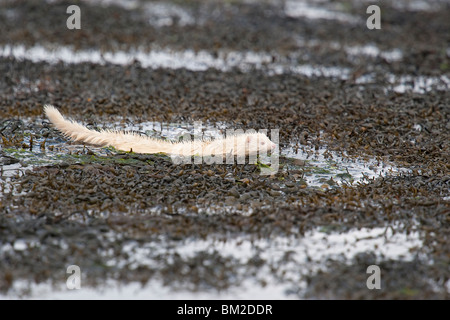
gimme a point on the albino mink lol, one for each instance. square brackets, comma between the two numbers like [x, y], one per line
[239, 145]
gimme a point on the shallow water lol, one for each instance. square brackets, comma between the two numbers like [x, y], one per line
[306, 256]
[322, 168]
[226, 61]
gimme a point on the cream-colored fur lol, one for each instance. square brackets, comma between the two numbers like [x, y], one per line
[243, 144]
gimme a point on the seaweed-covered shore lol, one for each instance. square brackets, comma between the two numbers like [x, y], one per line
[225, 230]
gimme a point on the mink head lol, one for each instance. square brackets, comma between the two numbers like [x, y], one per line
[255, 143]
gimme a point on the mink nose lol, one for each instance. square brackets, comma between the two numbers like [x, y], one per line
[274, 146]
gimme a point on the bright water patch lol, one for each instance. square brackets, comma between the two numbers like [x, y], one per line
[324, 168]
[304, 9]
[245, 61]
[284, 264]
[158, 13]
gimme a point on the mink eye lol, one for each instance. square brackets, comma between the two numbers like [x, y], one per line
[263, 143]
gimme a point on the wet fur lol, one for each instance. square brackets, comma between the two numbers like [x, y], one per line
[243, 144]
